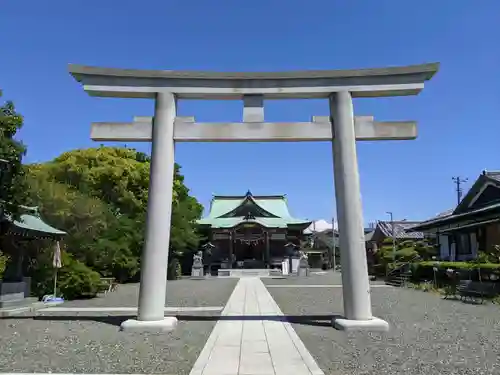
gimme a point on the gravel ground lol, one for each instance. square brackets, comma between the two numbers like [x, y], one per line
[180, 293]
[92, 343]
[428, 335]
[315, 278]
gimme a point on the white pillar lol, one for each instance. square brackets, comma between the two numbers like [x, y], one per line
[355, 282]
[154, 262]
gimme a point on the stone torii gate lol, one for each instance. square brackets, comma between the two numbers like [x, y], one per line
[342, 128]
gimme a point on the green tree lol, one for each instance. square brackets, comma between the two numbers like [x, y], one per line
[108, 188]
[119, 250]
[97, 239]
[491, 255]
[74, 279]
[115, 175]
[12, 186]
[406, 250]
[120, 177]
[84, 218]
[3, 263]
[426, 249]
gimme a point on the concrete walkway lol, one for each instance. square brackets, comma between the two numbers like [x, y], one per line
[252, 337]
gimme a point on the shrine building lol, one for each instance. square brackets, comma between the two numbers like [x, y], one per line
[251, 231]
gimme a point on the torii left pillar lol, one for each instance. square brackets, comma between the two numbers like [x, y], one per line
[154, 264]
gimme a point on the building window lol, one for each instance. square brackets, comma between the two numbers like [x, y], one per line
[444, 247]
[463, 244]
[481, 238]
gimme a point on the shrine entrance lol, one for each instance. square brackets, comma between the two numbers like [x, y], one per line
[341, 127]
[249, 255]
[250, 246]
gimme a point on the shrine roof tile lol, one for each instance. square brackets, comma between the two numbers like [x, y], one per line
[275, 205]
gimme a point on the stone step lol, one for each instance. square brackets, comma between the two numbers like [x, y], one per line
[18, 302]
[396, 280]
[28, 305]
[244, 272]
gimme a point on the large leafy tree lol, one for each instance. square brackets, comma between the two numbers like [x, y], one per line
[119, 178]
[92, 239]
[12, 183]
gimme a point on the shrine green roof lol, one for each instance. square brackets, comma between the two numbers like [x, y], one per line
[270, 211]
[31, 224]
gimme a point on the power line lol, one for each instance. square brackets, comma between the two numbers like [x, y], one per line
[457, 180]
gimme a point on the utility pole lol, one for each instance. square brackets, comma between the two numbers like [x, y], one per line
[457, 180]
[334, 245]
[393, 236]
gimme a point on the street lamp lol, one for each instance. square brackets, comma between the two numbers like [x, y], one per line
[393, 236]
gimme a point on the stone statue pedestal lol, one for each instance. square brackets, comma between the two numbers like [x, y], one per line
[303, 269]
[294, 265]
[197, 272]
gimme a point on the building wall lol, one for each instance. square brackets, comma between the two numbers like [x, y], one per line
[466, 245]
[444, 247]
[492, 236]
[458, 246]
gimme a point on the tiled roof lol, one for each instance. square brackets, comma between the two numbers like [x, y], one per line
[369, 235]
[400, 229]
[494, 175]
[275, 205]
[30, 222]
[269, 222]
[444, 214]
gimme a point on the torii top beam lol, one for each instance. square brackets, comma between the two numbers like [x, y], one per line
[133, 83]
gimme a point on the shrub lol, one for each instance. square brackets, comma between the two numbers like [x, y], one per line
[406, 250]
[460, 265]
[74, 279]
[3, 263]
[174, 270]
[425, 270]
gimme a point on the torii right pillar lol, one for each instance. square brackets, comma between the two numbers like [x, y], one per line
[355, 280]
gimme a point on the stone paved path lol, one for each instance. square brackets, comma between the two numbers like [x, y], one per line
[253, 338]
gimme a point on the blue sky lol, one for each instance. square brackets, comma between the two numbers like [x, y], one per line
[458, 128]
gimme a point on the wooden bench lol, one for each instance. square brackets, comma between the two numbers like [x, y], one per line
[477, 290]
[108, 284]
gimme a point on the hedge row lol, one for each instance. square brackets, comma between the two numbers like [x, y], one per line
[458, 265]
[425, 271]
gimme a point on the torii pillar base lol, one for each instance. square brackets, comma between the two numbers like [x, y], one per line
[151, 326]
[373, 325]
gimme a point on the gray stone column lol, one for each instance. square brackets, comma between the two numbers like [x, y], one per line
[152, 292]
[355, 282]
